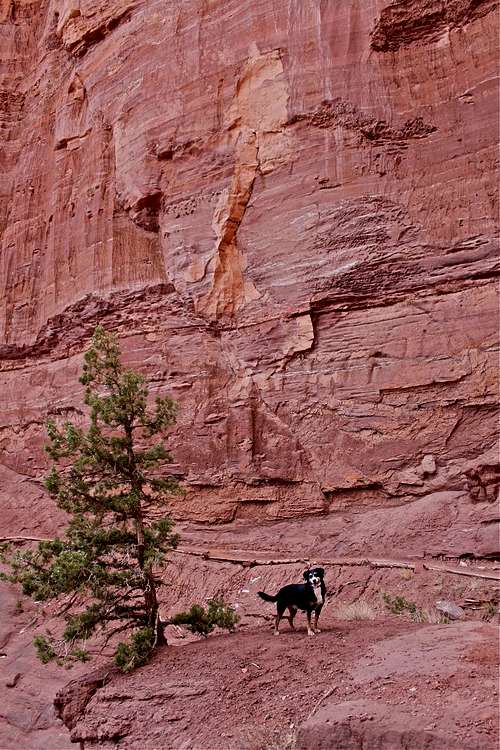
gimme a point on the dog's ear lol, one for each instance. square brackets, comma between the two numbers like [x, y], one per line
[320, 572]
[306, 574]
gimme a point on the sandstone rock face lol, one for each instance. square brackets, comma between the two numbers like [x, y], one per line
[286, 209]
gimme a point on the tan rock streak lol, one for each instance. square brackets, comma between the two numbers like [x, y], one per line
[255, 128]
[260, 104]
[229, 288]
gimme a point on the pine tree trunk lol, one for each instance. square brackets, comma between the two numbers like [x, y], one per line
[150, 598]
[153, 611]
[140, 542]
[160, 632]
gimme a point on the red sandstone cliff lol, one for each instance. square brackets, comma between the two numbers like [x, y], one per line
[287, 210]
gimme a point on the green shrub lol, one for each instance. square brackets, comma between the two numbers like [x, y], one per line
[80, 654]
[399, 604]
[44, 649]
[200, 620]
[131, 655]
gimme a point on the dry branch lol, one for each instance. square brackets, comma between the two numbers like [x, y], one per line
[251, 561]
[325, 695]
[24, 539]
[490, 576]
[373, 563]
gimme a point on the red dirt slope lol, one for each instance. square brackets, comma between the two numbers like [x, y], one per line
[386, 684]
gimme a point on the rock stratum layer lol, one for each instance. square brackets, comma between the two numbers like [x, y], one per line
[286, 209]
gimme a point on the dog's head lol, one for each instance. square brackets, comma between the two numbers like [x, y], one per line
[314, 576]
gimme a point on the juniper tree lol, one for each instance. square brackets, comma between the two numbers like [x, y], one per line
[105, 477]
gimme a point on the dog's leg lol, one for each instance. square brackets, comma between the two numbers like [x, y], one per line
[293, 612]
[316, 618]
[280, 611]
[310, 631]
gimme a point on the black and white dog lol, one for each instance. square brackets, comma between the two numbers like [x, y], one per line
[308, 597]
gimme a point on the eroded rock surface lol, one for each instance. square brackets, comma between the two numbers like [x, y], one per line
[286, 210]
[370, 685]
[415, 694]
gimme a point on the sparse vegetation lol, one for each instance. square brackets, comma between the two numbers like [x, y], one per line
[490, 610]
[359, 610]
[44, 649]
[137, 652]
[398, 605]
[199, 620]
[430, 617]
[406, 574]
[104, 570]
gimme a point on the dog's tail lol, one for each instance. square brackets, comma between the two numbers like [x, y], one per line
[266, 597]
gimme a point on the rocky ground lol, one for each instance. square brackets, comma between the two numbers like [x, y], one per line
[366, 684]
[384, 680]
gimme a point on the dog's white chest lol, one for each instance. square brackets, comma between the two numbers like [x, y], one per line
[318, 593]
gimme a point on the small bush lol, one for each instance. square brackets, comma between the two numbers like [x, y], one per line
[430, 617]
[131, 655]
[399, 604]
[490, 610]
[200, 620]
[356, 611]
[220, 615]
[44, 649]
[406, 574]
[80, 654]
